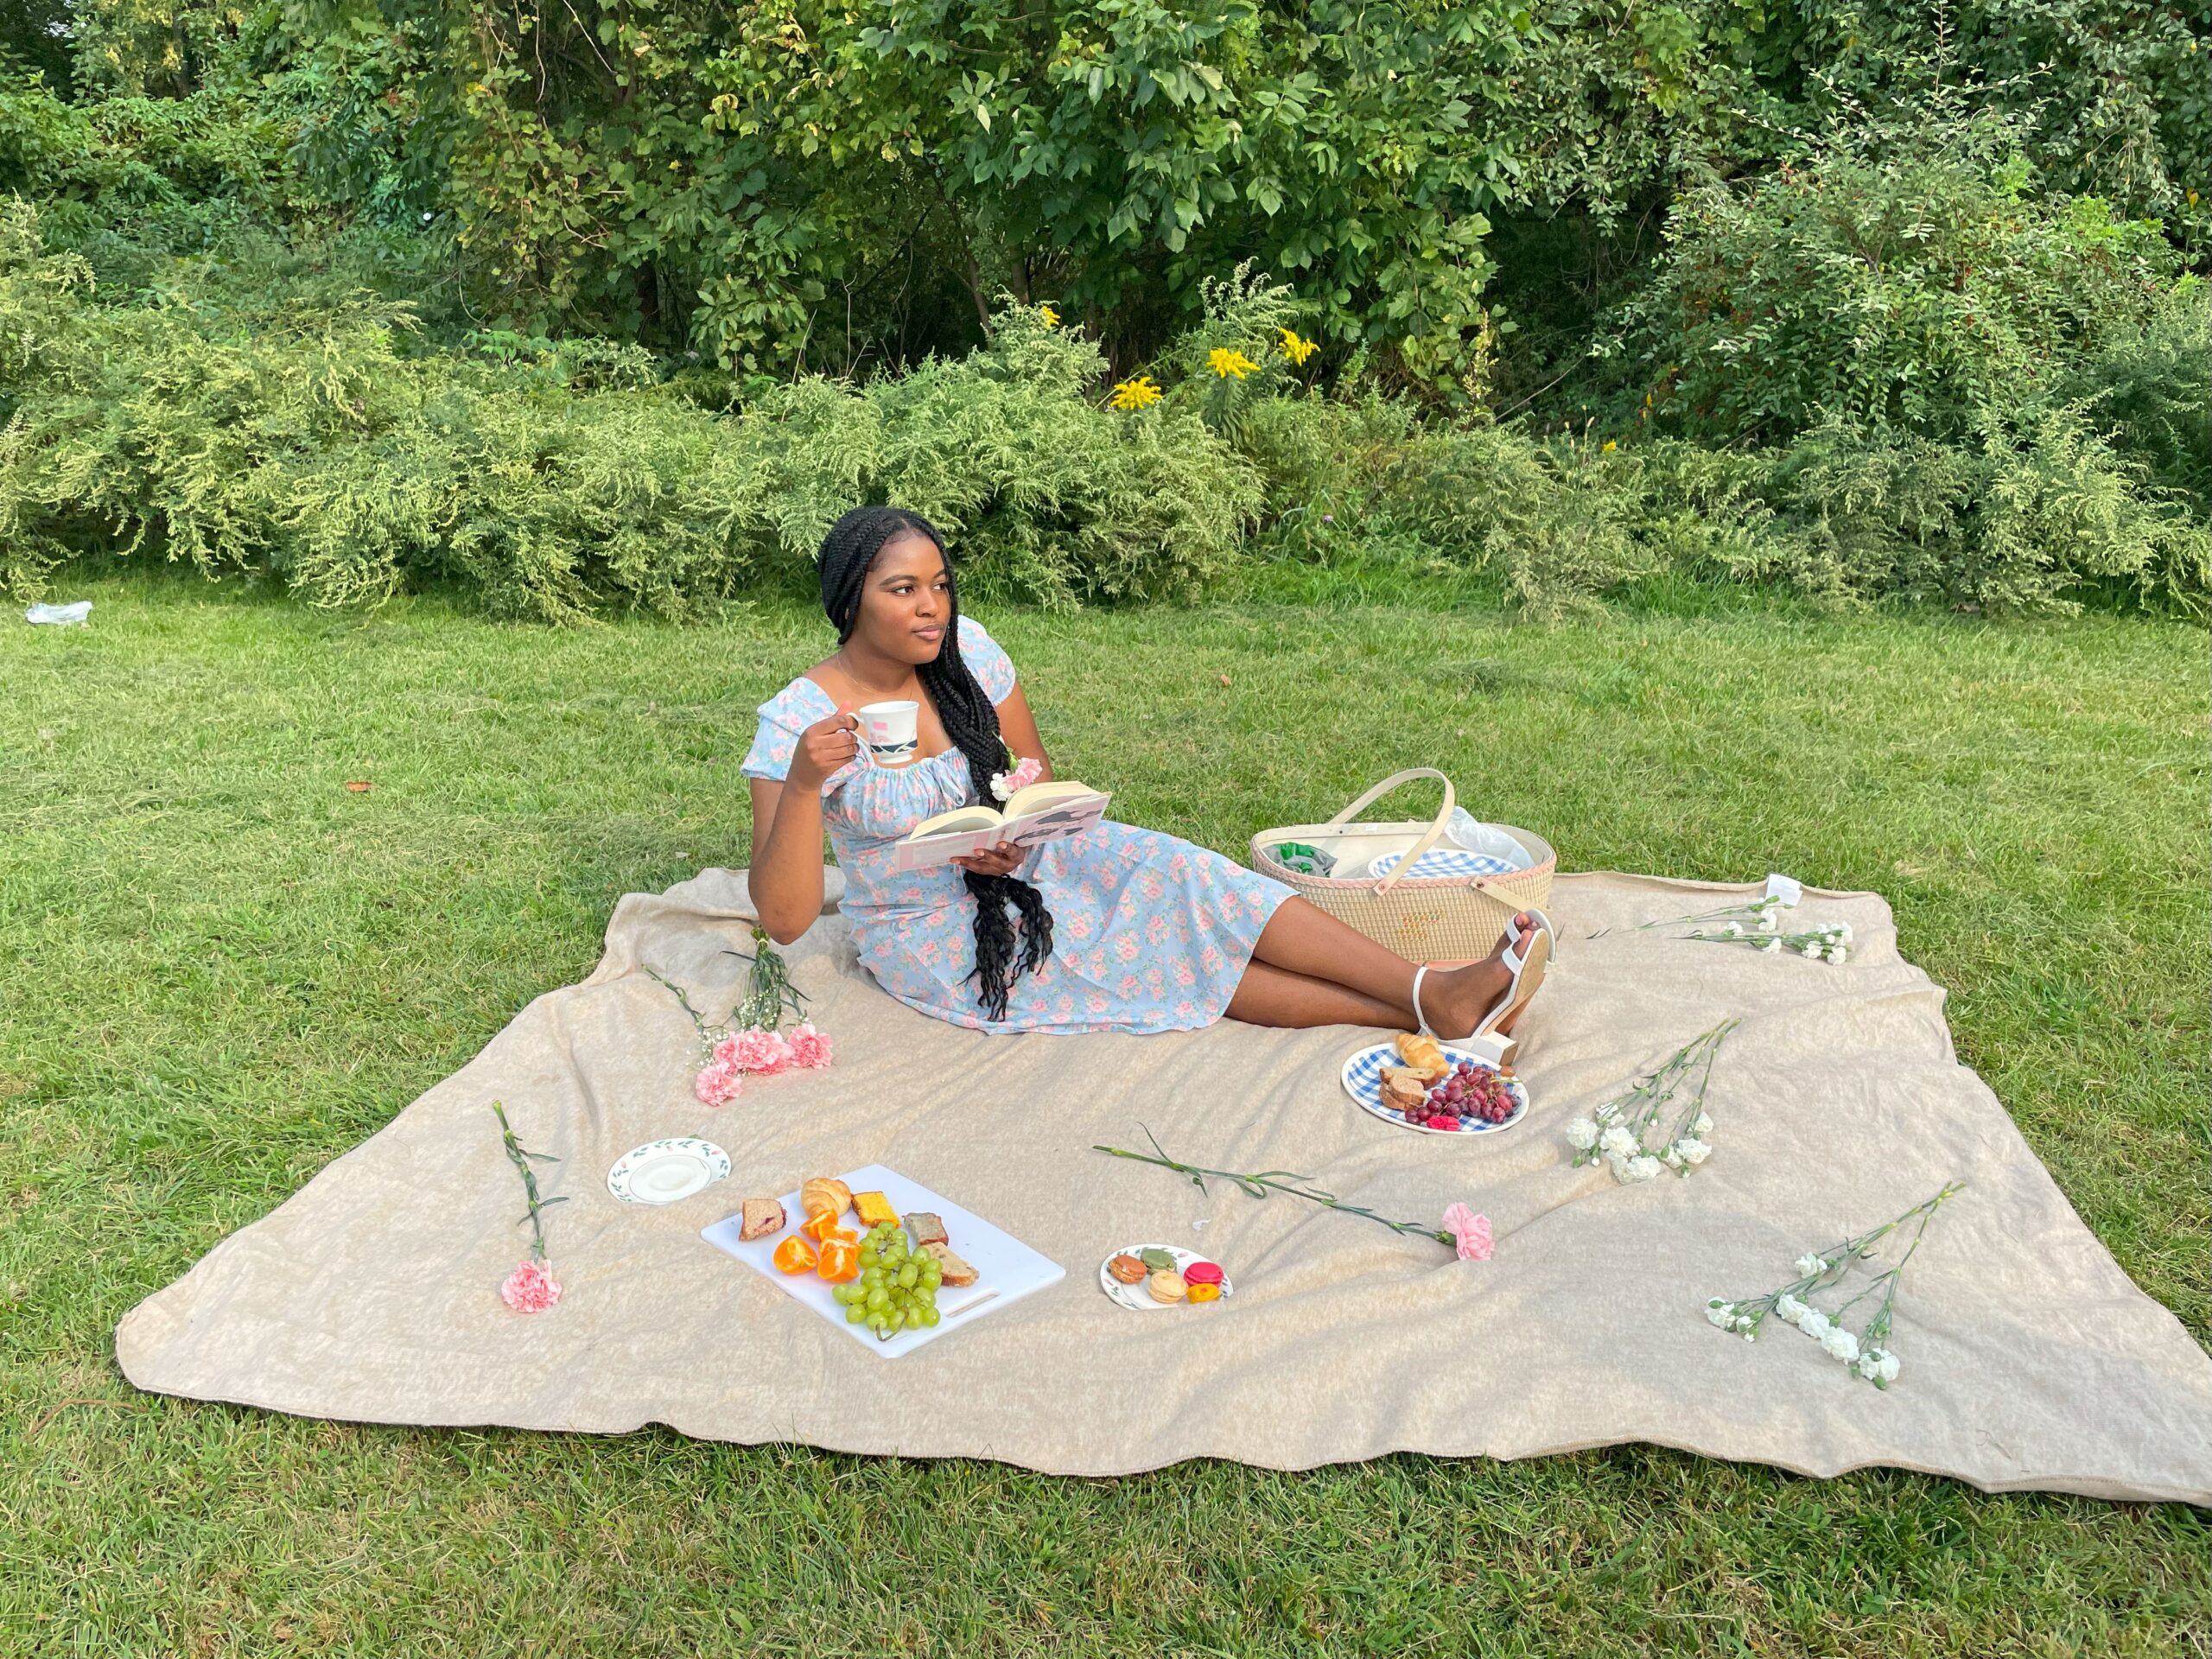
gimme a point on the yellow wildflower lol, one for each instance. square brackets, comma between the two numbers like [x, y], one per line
[1224, 363]
[1052, 317]
[1610, 446]
[1295, 349]
[1139, 393]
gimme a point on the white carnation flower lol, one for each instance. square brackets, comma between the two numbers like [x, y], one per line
[1617, 1140]
[1703, 1126]
[1770, 944]
[1843, 932]
[1642, 1168]
[1814, 1323]
[1788, 1307]
[1770, 923]
[1582, 1135]
[1870, 1364]
[1810, 948]
[1889, 1366]
[1694, 1151]
[1838, 956]
[1841, 1342]
[1733, 931]
[1810, 1266]
[1719, 1313]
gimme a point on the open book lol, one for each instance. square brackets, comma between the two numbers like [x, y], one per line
[1040, 812]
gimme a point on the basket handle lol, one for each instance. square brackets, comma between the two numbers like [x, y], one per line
[1429, 836]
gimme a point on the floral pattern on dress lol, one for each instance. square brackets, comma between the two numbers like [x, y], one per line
[1149, 932]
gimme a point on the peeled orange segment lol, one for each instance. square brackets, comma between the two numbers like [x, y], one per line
[822, 1227]
[841, 1261]
[794, 1255]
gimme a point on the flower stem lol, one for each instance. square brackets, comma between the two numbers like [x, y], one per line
[521, 1158]
[1260, 1183]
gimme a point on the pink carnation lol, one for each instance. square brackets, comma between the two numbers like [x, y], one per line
[530, 1289]
[809, 1047]
[718, 1085]
[1469, 1231]
[1026, 773]
[762, 1052]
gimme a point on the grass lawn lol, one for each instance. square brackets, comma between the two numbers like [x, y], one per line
[220, 969]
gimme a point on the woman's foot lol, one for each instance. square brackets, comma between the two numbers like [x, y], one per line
[1456, 999]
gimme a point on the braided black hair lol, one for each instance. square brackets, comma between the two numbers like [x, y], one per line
[849, 551]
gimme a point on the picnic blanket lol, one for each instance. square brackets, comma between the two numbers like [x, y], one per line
[2030, 1359]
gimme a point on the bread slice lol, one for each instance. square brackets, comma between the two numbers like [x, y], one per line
[955, 1271]
[926, 1229]
[761, 1218]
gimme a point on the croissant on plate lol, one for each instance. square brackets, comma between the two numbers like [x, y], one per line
[823, 1193]
[1422, 1054]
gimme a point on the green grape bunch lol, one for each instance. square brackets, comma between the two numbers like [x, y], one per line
[896, 1289]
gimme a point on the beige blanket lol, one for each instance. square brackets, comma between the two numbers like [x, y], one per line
[2030, 1359]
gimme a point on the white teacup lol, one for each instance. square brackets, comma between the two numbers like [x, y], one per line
[892, 731]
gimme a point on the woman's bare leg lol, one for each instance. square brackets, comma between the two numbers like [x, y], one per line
[1309, 944]
[1274, 996]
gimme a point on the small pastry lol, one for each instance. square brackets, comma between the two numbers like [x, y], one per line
[874, 1209]
[1422, 1056]
[1129, 1269]
[1202, 1272]
[1205, 1293]
[761, 1218]
[1167, 1285]
[824, 1193]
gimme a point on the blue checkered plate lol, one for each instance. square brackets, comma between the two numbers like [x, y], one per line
[1363, 1083]
[1443, 862]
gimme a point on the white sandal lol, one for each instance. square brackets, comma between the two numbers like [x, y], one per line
[1526, 961]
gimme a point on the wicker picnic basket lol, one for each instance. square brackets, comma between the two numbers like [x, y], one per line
[1423, 919]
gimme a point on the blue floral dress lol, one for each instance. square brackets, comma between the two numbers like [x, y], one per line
[1149, 933]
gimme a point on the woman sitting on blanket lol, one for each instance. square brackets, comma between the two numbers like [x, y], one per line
[1114, 929]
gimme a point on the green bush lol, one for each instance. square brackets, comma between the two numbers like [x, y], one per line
[1903, 274]
[310, 443]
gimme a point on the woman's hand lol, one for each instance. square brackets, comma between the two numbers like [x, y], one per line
[1002, 859]
[823, 747]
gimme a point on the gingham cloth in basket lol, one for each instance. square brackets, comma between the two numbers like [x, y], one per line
[1443, 861]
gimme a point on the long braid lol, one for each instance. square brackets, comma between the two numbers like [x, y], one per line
[1002, 955]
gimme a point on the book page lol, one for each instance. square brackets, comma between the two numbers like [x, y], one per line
[1054, 823]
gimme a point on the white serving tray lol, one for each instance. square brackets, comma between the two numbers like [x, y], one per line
[1004, 1263]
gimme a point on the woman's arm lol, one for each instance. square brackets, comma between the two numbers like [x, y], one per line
[786, 874]
[1019, 727]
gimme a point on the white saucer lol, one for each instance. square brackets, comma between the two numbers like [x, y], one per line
[662, 1172]
[1136, 1296]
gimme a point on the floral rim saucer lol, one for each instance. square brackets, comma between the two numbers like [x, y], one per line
[1136, 1297]
[1363, 1080]
[662, 1172]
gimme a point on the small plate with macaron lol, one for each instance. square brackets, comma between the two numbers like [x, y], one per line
[1144, 1277]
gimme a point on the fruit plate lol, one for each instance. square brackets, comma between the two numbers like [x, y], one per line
[1136, 1296]
[1362, 1077]
[662, 1172]
[1006, 1269]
